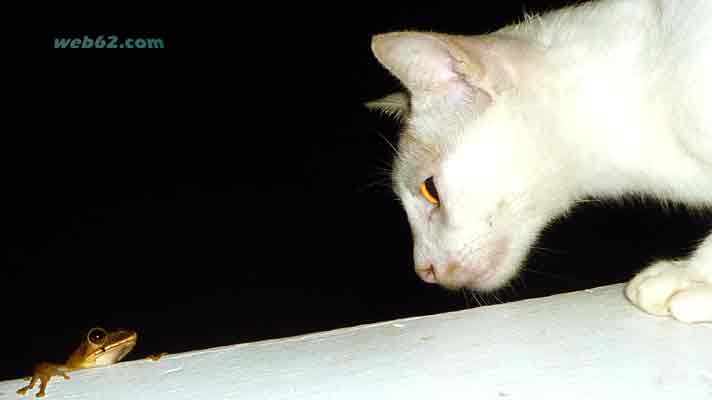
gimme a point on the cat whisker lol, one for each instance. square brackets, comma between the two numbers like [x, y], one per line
[375, 186]
[391, 146]
[559, 277]
[496, 298]
[483, 300]
[468, 297]
[382, 178]
[548, 251]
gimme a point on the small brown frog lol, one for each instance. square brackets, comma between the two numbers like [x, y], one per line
[99, 347]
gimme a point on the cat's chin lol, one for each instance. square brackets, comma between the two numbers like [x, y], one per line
[493, 272]
[491, 279]
[481, 280]
[499, 272]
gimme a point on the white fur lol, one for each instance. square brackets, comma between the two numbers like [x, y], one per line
[604, 99]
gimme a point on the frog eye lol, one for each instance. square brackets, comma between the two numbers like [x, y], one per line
[430, 191]
[96, 336]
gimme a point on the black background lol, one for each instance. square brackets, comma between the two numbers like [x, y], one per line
[232, 187]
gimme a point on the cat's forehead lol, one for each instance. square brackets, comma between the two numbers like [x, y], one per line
[431, 131]
[418, 155]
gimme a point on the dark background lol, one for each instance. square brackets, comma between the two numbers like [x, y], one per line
[231, 187]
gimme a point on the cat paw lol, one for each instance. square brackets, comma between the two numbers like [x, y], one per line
[669, 288]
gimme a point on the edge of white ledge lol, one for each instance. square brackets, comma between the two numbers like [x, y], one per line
[590, 344]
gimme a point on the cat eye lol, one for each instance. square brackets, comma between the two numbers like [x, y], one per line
[430, 191]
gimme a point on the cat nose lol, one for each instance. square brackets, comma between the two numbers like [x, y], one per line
[427, 273]
[447, 275]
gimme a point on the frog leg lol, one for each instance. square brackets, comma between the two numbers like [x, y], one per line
[44, 372]
[24, 390]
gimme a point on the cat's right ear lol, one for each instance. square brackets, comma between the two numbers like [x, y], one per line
[421, 61]
[433, 66]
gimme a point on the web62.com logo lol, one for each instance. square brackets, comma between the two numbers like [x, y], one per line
[108, 42]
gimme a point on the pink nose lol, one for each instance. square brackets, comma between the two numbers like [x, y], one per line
[427, 273]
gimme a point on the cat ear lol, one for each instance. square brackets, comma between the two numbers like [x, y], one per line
[428, 63]
[395, 105]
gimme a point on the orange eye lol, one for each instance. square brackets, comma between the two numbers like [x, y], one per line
[430, 191]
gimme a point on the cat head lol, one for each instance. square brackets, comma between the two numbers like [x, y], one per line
[475, 173]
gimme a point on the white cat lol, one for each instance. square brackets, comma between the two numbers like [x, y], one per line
[506, 131]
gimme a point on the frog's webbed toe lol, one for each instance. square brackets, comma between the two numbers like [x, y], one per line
[43, 373]
[23, 390]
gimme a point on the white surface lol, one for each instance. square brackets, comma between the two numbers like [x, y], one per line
[584, 345]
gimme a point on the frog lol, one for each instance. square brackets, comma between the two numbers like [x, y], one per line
[98, 347]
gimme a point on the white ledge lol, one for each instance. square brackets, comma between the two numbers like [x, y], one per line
[584, 345]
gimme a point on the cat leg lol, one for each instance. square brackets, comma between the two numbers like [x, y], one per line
[681, 288]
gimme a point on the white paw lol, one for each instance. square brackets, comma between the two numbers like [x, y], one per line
[670, 288]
